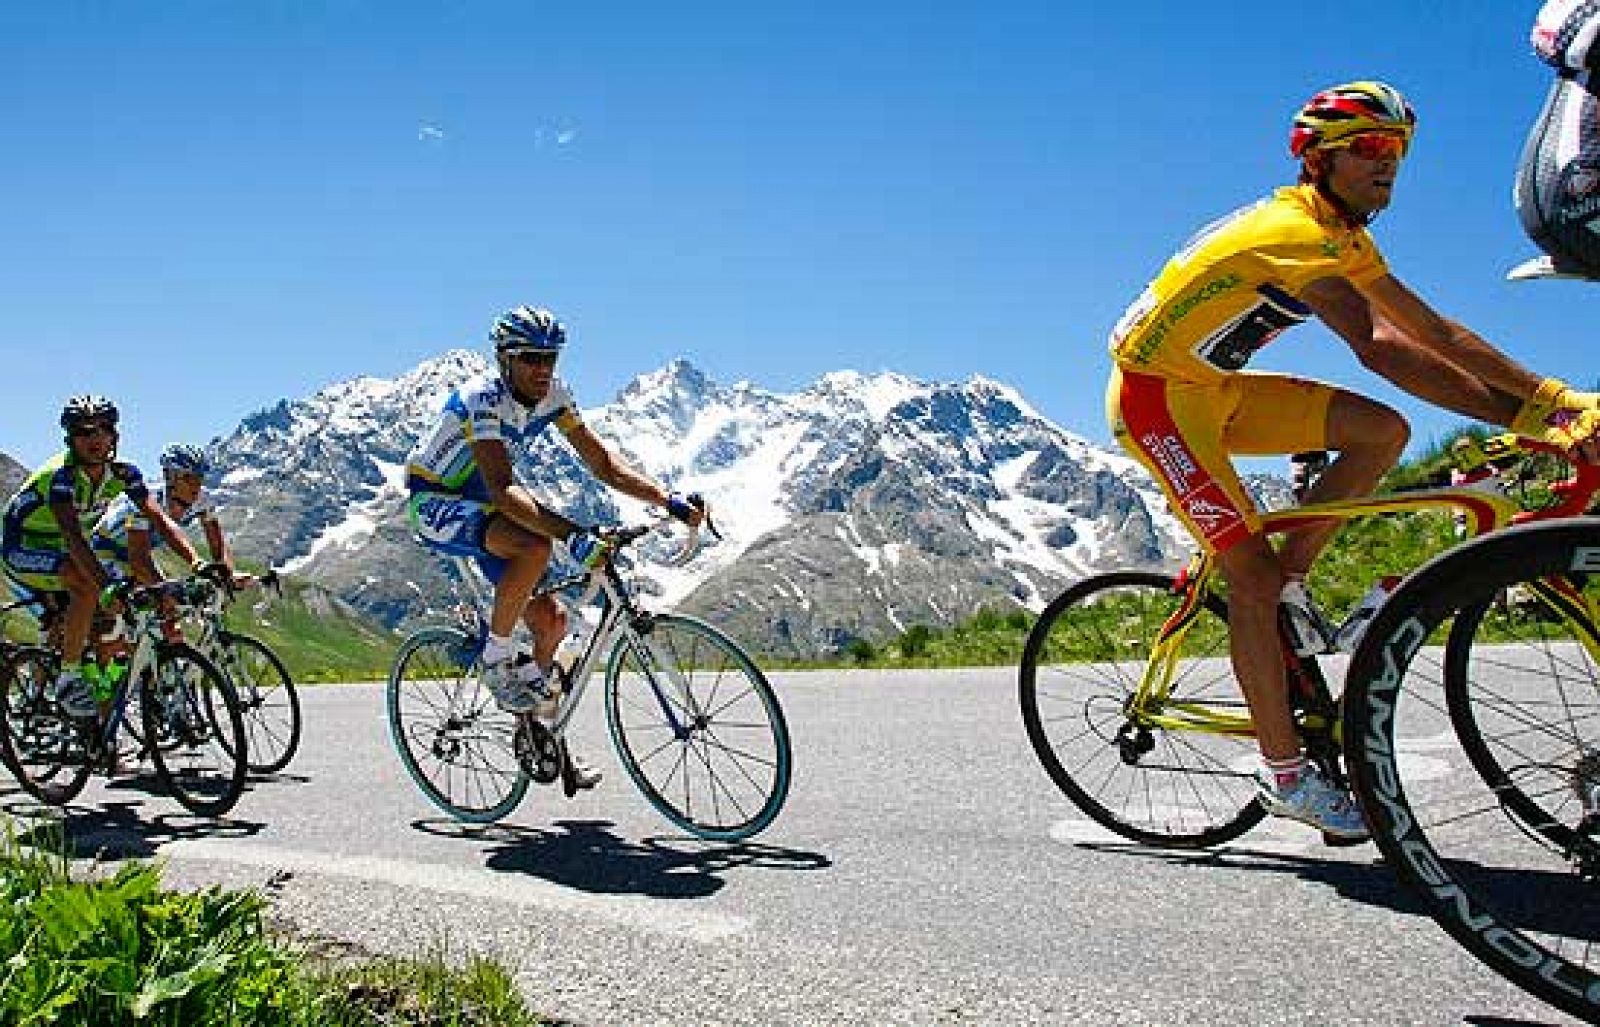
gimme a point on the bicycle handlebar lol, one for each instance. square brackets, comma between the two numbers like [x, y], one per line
[1574, 493]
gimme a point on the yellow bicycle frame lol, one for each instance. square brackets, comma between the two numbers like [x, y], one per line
[1151, 703]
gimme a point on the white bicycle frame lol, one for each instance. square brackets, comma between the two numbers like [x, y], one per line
[143, 627]
[618, 612]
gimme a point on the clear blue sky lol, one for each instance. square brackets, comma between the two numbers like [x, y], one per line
[210, 206]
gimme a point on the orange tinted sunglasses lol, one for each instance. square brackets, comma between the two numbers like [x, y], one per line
[1376, 146]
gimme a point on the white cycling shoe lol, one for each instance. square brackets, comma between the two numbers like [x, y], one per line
[511, 687]
[1314, 800]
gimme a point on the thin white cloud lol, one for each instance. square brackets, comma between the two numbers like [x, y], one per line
[566, 136]
[428, 132]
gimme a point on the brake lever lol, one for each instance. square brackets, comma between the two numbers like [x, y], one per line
[691, 542]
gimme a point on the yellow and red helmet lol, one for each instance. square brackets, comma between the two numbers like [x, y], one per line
[1336, 114]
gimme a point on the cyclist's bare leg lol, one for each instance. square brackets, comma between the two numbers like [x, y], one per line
[1369, 438]
[83, 598]
[1255, 581]
[526, 554]
[546, 618]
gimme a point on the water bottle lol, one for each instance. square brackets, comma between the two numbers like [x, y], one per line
[570, 651]
[1355, 625]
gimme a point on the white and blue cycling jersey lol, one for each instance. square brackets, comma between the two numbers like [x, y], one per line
[109, 538]
[482, 409]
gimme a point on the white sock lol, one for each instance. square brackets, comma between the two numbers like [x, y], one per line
[496, 649]
[1284, 774]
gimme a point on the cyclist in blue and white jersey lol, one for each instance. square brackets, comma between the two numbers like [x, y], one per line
[44, 547]
[122, 539]
[465, 499]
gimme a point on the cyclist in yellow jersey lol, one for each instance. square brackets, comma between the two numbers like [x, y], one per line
[1180, 400]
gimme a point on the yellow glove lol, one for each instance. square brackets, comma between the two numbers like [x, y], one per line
[1537, 408]
[1566, 427]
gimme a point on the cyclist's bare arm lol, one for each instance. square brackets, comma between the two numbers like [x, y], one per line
[510, 497]
[140, 558]
[1401, 338]
[217, 544]
[169, 530]
[612, 470]
[1405, 311]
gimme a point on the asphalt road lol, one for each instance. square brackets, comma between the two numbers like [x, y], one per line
[924, 871]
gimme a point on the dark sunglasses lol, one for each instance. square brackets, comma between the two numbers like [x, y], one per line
[83, 431]
[536, 358]
[1376, 146]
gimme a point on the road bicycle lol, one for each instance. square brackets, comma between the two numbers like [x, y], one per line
[694, 721]
[189, 717]
[266, 692]
[1129, 699]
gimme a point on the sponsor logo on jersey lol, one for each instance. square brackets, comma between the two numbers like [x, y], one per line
[33, 562]
[1178, 466]
[1215, 515]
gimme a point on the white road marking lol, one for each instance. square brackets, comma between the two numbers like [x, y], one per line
[656, 916]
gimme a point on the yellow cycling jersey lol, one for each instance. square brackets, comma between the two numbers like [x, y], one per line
[1233, 287]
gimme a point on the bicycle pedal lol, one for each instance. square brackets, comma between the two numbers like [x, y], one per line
[1334, 841]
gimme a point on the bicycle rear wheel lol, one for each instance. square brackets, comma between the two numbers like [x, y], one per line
[454, 740]
[43, 748]
[698, 728]
[194, 732]
[1479, 771]
[268, 699]
[1150, 782]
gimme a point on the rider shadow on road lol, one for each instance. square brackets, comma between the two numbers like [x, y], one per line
[1371, 883]
[118, 830]
[1548, 902]
[588, 856]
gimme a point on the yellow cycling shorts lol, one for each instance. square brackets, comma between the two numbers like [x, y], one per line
[1185, 432]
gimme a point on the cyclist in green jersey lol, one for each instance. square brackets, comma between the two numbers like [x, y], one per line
[43, 545]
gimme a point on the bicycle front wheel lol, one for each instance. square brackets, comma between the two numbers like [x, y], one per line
[698, 728]
[43, 748]
[268, 698]
[194, 732]
[1174, 771]
[1480, 772]
[455, 741]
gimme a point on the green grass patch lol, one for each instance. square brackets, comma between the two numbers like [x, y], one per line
[118, 949]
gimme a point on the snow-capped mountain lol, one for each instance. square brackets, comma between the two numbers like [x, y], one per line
[854, 508]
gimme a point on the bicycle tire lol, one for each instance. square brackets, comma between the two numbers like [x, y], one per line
[268, 699]
[42, 747]
[731, 739]
[194, 731]
[1483, 860]
[453, 739]
[1181, 789]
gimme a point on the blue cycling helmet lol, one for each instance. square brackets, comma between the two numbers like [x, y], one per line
[181, 459]
[527, 329]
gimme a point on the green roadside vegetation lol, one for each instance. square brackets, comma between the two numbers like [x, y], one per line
[109, 946]
[318, 637]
